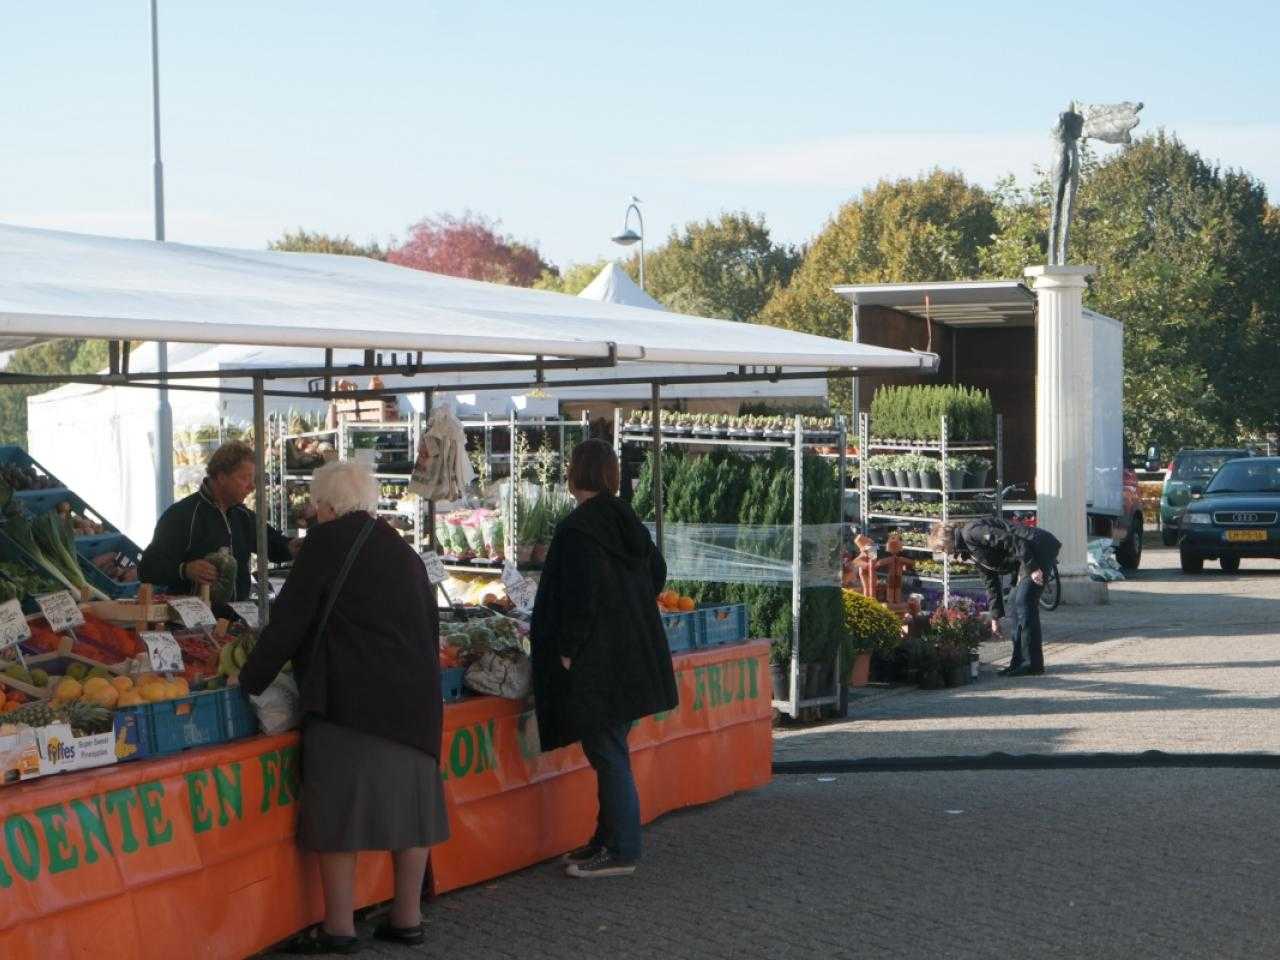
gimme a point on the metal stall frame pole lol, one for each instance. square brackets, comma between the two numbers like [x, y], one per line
[512, 480]
[797, 529]
[864, 492]
[946, 498]
[999, 467]
[260, 495]
[842, 691]
[430, 512]
[657, 465]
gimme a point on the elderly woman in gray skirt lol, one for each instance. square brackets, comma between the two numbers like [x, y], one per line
[358, 619]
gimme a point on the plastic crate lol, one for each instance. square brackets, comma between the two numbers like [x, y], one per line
[681, 633]
[717, 626]
[236, 713]
[134, 740]
[17, 457]
[89, 547]
[451, 683]
[192, 721]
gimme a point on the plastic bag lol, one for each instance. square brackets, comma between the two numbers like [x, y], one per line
[504, 673]
[279, 707]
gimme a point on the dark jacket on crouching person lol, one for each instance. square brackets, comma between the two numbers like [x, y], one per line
[999, 547]
[596, 605]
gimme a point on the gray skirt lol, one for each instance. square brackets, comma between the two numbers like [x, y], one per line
[362, 792]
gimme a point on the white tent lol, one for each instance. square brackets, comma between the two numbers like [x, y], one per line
[614, 285]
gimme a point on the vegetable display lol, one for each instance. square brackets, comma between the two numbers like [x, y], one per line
[223, 590]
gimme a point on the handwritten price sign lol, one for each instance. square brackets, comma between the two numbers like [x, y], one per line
[61, 610]
[165, 654]
[436, 572]
[13, 624]
[193, 612]
[247, 611]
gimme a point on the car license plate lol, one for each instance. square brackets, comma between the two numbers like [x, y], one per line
[1246, 536]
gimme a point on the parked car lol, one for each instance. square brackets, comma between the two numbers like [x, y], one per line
[1234, 516]
[1189, 468]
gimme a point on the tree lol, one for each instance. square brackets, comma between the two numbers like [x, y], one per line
[302, 241]
[1188, 257]
[572, 280]
[931, 228]
[469, 246]
[727, 268]
[51, 357]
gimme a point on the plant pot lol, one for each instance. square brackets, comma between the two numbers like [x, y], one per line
[874, 478]
[780, 677]
[930, 480]
[956, 480]
[524, 552]
[920, 479]
[903, 478]
[860, 672]
[979, 478]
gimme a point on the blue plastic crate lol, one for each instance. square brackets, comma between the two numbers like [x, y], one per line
[451, 683]
[134, 739]
[717, 626]
[89, 547]
[681, 633]
[17, 457]
[236, 713]
[192, 721]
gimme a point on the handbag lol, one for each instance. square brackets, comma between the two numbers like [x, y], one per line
[279, 707]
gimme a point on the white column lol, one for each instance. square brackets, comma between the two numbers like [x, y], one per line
[1064, 418]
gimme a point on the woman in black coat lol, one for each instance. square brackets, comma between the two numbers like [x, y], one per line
[600, 654]
[372, 711]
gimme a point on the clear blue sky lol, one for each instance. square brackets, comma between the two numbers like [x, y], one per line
[362, 118]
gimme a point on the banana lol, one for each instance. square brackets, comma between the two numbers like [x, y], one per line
[226, 666]
[240, 656]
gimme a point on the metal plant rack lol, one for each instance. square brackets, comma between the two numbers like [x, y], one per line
[944, 449]
[796, 443]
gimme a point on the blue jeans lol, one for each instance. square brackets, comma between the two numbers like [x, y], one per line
[1027, 644]
[618, 826]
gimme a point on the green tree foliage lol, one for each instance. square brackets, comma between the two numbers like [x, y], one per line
[727, 268]
[55, 356]
[304, 241]
[572, 280]
[1188, 257]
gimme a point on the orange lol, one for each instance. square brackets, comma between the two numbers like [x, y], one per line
[123, 684]
[130, 698]
[686, 604]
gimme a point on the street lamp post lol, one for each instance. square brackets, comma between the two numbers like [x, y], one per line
[628, 236]
[164, 413]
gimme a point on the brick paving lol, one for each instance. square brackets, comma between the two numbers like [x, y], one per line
[922, 866]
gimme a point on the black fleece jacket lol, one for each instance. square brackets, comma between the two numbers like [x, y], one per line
[999, 547]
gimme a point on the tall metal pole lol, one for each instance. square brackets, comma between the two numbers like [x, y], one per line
[164, 413]
[640, 217]
[260, 494]
[657, 464]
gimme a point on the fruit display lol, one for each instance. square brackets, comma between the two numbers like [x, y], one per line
[461, 642]
[671, 601]
[235, 652]
[81, 525]
[223, 589]
[25, 477]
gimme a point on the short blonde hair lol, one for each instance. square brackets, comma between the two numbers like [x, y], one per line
[346, 486]
[942, 536]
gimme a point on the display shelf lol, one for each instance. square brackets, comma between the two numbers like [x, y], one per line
[951, 582]
[934, 490]
[930, 447]
[723, 442]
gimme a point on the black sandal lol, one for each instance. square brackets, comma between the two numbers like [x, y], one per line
[316, 940]
[406, 936]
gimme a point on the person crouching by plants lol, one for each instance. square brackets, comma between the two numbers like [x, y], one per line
[999, 547]
[600, 654]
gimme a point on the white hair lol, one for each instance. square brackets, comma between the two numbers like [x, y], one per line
[346, 486]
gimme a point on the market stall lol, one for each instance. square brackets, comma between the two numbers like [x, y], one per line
[162, 783]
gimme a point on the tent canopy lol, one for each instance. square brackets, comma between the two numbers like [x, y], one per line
[57, 284]
[614, 285]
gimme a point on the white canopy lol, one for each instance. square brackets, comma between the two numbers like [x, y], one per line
[55, 284]
[614, 285]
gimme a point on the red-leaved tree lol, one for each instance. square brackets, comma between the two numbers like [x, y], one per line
[469, 246]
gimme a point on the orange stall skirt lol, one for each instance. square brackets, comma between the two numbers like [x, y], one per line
[194, 855]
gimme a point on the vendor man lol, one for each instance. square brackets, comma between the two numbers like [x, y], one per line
[211, 518]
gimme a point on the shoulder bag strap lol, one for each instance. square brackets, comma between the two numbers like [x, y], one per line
[361, 537]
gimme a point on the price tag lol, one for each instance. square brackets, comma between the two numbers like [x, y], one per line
[523, 594]
[13, 624]
[436, 572]
[165, 654]
[247, 611]
[61, 610]
[193, 612]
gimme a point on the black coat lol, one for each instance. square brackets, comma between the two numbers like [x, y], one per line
[195, 527]
[999, 547]
[376, 669]
[596, 605]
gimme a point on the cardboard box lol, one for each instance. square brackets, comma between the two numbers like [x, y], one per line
[19, 756]
[61, 750]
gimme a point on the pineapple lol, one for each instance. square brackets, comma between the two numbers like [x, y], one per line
[84, 717]
[37, 713]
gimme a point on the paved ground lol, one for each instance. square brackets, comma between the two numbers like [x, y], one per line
[1124, 864]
